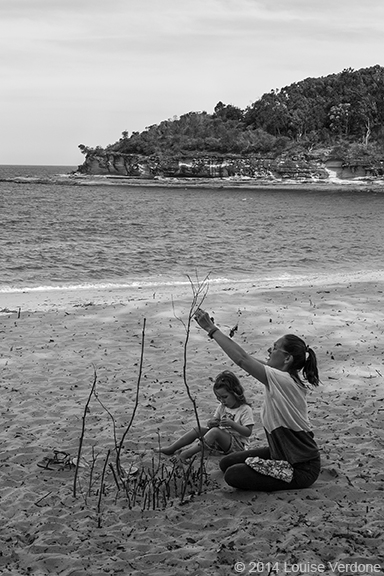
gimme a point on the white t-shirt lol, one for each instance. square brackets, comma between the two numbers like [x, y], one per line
[284, 416]
[242, 415]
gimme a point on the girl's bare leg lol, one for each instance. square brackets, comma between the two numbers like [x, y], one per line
[185, 440]
[213, 435]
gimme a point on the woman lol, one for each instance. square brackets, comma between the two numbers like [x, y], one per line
[292, 459]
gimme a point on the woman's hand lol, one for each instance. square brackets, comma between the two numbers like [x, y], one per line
[203, 319]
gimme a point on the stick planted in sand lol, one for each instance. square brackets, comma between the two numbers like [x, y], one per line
[114, 476]
[111, 417]
[120, 446]
[92, 469]
[101, 490]
[199, 292]
[83, 432]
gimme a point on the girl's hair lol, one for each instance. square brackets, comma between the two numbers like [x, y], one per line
[230, 383]
[304, 359]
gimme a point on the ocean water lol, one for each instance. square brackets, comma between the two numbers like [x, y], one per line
[54, 234]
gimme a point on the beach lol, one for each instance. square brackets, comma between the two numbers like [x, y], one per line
[56, 345]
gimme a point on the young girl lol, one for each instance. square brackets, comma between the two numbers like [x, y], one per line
[291, 459]
[229, 429]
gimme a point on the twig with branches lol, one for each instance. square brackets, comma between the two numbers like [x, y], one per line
[199, 293]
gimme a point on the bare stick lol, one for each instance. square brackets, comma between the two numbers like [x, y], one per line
[94, 458]
[199, 294]
[41, 499]
[120, 446]
[185, 481]
[114, 476]
[111, 417]
[83, 432]
[101, 491]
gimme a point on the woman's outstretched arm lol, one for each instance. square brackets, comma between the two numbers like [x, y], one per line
[254, 367]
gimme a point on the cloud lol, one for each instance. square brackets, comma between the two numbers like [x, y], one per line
[104, 67]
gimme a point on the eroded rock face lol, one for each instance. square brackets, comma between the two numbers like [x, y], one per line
[135, 166]
[200, 167]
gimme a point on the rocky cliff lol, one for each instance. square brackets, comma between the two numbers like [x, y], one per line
[148, 167]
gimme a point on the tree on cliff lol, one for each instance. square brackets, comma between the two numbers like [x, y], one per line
[340, 109]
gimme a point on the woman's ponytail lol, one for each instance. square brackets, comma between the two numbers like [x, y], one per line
[304, 359]
[310, 371]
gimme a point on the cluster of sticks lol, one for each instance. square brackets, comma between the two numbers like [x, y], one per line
[154, 486]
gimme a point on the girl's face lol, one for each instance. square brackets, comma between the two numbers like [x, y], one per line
[226, 398]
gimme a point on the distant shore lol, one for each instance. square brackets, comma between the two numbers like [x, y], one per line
[333, 184]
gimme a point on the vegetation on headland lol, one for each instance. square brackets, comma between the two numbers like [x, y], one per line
[337, 116]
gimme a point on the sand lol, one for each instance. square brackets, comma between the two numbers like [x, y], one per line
[53, 344]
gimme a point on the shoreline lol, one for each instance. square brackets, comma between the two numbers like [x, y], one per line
[63, 298]
[333, 184]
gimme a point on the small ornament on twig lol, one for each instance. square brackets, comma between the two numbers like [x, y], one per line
[236, 326]
[233, 330]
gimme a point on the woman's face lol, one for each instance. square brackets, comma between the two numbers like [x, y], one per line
[277, 355]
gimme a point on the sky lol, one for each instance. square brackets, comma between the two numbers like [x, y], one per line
[83, 71]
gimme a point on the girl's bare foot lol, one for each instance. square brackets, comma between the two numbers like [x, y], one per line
[185, 457]
[168, 451]
[181, 462]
